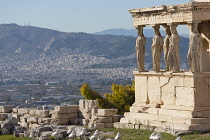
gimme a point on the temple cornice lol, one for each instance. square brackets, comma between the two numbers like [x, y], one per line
[182, 13]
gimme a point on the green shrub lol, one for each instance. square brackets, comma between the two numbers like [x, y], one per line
[122, 97]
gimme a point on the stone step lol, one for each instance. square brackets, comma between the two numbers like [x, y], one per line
[179, 113]
[166, 125]
[166, 118]
[186, 108]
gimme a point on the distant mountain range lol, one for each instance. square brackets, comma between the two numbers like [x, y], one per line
[132, 32]
[28, 52]
[15, 39]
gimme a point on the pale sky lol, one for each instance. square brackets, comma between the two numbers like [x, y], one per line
[75, 15]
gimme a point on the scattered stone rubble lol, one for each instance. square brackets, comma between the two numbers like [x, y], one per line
[27, 122]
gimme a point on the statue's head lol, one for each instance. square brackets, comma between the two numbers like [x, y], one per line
[167, 29]
[173, 28]
[140, 30]
[156, 30]
[193, 27]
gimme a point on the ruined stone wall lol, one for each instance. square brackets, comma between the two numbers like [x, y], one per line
[94, 117]
[86, 113]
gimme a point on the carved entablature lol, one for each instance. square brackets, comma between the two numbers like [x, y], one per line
[196, 8]
[196, 15]
[181, 14]
[201, 11]
[161, 14]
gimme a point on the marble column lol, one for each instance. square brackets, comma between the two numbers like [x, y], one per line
[140, 48]
[166, 44]
[195, 44]
[173, 52]
[157, 46]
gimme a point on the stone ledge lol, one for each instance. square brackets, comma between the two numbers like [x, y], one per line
[107, 112]
[175, 112]
[166, 124]
[133, 117]
[67, 109]
[64, 115]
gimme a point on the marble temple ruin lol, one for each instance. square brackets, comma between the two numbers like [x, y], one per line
[170, 99]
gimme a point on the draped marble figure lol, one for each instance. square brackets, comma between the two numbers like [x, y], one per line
[194, 52]
[173, 53]
[157, 46]
[140, 48]
[166, 45]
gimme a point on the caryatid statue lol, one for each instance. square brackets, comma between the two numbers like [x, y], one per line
[157, 46]
[195, 44]
[140, 48]
[166, 44]
[173, 53]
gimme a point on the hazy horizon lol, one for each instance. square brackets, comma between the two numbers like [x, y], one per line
[75, 16]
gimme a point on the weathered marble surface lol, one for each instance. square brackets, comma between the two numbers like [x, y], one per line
[194, 52]
[170, 101]
[166, 45]
[173, 53]
[140, 48]
[157, 46]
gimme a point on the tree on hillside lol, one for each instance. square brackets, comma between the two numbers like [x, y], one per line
[122, 97]
[90, 94]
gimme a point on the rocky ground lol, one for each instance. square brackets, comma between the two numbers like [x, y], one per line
[59, 122]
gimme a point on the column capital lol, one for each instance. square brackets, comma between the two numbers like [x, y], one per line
[193, 27]
[167, 29]
[174, 24]
[155, 26]
[139, 30]
[165, 25]
[137, 26]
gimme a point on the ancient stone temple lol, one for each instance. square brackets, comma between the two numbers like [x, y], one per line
[170, 99]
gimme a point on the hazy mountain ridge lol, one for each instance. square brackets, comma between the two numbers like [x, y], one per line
[28, 52]
[41, 40]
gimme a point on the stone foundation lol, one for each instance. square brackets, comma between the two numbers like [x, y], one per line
[170, 101]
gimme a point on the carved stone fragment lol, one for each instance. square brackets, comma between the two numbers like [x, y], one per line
[173, 53]
[140, 48]
[194, 52]
[157, 46]
[166, 44]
